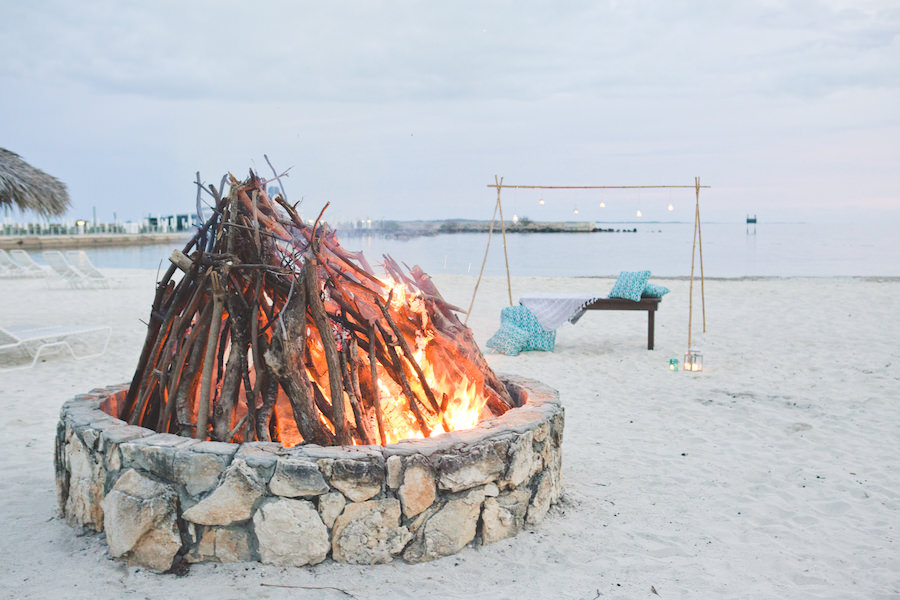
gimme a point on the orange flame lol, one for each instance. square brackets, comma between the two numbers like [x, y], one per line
[464, 398]
[461, 400]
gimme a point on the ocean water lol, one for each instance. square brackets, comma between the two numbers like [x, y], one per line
[729, 250]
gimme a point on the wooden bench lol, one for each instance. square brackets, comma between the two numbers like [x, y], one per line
[645, 303]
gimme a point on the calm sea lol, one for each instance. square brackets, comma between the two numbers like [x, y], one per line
[729, 250]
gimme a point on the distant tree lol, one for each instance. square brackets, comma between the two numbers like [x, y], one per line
[524, 221]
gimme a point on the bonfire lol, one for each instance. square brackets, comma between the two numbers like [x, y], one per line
[274, 332]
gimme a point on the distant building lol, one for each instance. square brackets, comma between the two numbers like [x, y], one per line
[169, 223]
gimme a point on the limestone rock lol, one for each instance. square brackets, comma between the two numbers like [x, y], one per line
[504, 516]
[260, 457]
[199, 472]
[540, 503]
[222, 544]
[418, 490]
[394, 470]
[557, 424]
[140, 521]
[522, 460]
[474, 466]
[109, 441]
[552, 461]
[154, 453]
[85, 486]
[295, 477]
[232, 501]
[330, 506]
[60, 463]
[367, 533]
[290, 533]
[448, 529]
[358, 479]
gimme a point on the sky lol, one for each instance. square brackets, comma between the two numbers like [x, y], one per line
[789, 109]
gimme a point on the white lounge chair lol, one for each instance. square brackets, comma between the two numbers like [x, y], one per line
[80, 261]
[71, 274]
[24, 259]
[32, 341]
[10, 268]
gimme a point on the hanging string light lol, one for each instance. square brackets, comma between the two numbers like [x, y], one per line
[602, 204]
[671, 207]
[639, 214]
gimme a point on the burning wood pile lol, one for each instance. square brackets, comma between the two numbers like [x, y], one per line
[274, 332]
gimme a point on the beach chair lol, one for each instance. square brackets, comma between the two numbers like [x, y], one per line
[61, 267]
[32, 341]
[24, 259]
[80, 261]
[10, 268]
[71, 274]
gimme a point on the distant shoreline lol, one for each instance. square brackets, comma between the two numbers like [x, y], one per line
[405, 229]
[90, 240]
[396, 229]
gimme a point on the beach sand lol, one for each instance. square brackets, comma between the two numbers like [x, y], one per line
[774, 473]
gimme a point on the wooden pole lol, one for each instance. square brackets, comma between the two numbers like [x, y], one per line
[693, 255]
[484, 260]
[593, 187]
[503, 231]
[700, 247]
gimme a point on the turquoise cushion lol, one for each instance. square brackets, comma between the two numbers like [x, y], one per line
[520, 330]
[509, 339]
[655, 291]
[630, 285]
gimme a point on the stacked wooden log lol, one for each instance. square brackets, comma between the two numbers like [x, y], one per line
[270, 309]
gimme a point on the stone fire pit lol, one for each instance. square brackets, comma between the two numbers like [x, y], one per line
[160, 496]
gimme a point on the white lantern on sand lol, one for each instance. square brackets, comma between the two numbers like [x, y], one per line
[693, 360]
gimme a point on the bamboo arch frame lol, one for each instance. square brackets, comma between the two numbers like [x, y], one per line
[697, 243]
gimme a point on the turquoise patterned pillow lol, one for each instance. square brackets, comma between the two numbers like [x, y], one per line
[520, 330]
[508, 340]
[630, 285]
[538, 337]
[655, 291]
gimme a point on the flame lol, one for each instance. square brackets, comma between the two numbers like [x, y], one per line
[464, 398]
[399, 422]
[460, 399]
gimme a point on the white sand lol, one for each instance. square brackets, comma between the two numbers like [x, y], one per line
[775, 473]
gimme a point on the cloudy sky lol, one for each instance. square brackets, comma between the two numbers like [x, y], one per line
[787, 108]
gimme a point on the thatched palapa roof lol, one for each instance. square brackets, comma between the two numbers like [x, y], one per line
[28, 188]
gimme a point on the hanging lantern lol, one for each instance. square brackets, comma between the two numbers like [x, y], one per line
[541, 201]
[693, 360]
[671, 207]
[602, 204]
[673, 364]
[515, 218]
[575, 212]
[639, 214]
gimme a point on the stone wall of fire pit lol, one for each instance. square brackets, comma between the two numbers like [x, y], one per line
[161, 498]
